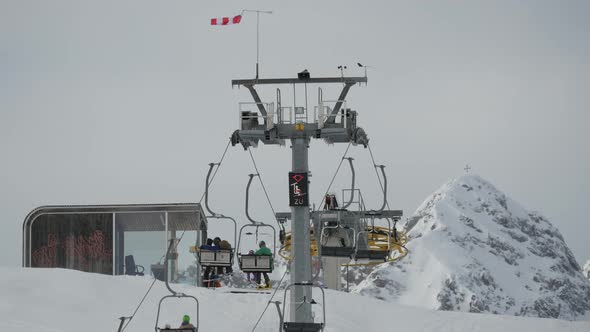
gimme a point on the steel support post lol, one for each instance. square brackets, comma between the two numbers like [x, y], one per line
[300, 307]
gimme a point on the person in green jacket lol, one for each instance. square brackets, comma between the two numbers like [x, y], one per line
[263, 251]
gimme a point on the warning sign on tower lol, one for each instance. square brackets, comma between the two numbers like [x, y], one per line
[298, 195]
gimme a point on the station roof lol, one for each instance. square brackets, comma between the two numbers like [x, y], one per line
[134, 217]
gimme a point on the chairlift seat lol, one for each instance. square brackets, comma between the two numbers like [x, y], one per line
[256, 263]
[302, 327]
[372, 254]
[178, 329]
[337, 251]
[216, 258]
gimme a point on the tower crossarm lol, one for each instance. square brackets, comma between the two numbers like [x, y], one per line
[312, 80]
[269, 125]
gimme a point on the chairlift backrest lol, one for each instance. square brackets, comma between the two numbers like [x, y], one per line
[256, 263]
[216, 258]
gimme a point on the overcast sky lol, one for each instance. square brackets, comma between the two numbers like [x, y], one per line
[128, 101]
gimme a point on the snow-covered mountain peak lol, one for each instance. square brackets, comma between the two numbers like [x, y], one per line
[473, 248]
[462, 197]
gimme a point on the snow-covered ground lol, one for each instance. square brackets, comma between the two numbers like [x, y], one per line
[52, 300]
[586, 269]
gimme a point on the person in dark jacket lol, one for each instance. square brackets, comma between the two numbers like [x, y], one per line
[207, 273]
[223, 245]
[263, 251]
[209, 245]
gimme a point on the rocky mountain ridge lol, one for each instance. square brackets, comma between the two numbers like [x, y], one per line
[472, 248]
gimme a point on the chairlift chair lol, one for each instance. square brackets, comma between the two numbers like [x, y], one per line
[345, 248]
[175, 295]
[169, 329]
[304, 326]
[256, 263]
[374, 252]
[346, 245]
[219, 257]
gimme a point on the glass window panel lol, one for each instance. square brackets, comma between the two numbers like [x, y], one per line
[75, 241]
[141, 235]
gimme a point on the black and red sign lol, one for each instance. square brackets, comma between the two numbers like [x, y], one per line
[298, 189]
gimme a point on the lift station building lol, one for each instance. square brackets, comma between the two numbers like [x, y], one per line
[116, 239]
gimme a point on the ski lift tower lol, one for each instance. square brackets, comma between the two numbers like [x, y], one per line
[274, 124]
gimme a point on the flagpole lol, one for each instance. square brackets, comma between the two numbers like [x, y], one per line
[257, 33]
[257, 41]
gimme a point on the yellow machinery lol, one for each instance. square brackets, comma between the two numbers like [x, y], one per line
[391, 244]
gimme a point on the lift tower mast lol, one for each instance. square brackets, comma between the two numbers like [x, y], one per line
[273, 124]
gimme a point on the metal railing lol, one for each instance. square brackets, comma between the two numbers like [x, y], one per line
[322, 112]
[358, 200]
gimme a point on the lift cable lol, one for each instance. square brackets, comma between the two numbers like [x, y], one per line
[177, 243]
[270, 300]
[334, 177]
[264, 187]
[140, 303]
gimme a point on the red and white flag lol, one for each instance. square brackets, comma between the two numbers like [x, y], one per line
[226, 20]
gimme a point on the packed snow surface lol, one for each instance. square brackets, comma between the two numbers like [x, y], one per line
[52, 300]
[472, 248]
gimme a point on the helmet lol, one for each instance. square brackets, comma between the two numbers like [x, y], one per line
[262, 244]
[186, 319]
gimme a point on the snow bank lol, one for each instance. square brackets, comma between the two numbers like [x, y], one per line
[52, 300]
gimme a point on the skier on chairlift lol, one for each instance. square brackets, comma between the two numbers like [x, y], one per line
[186, 323]
[223, 245]
[263, 251]
[249, 275]
[208, 270]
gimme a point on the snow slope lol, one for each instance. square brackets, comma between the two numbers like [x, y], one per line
[474, 249]
[52, 300]
[586, 269]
